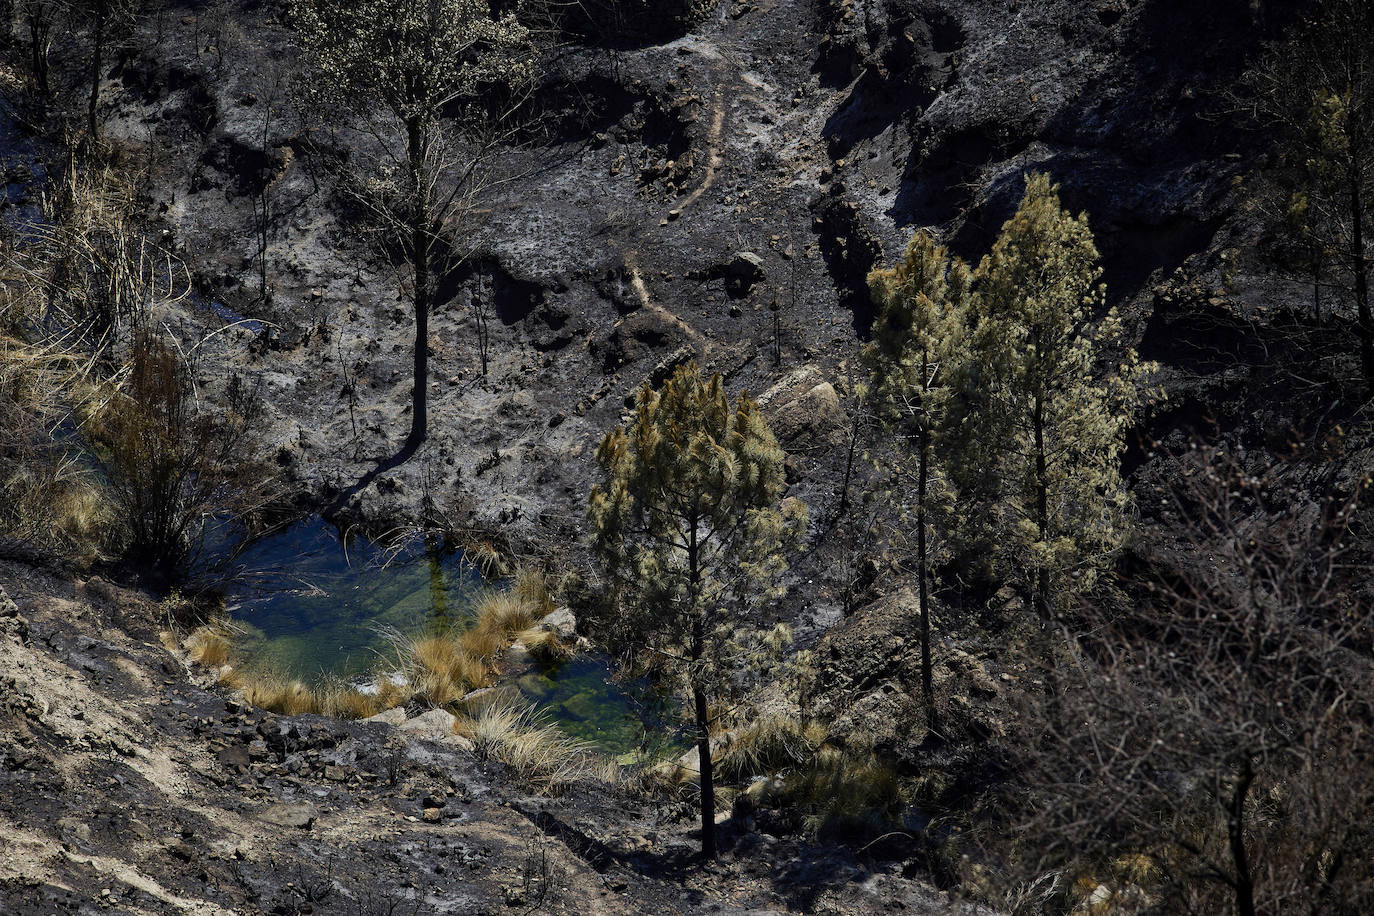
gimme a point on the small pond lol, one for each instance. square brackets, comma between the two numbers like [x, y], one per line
[316, 604]
[313, 604]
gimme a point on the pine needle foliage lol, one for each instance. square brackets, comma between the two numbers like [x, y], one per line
[1046, 395]
[688, 529]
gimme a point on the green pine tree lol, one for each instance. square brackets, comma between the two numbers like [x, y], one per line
[919, 345]
[1047, 395]
[688, 529]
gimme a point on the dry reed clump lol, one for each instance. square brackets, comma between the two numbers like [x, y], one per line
[538, 752]
[48, 495]
[544, 645]
[485, 555]
[294, 697]
[766, 745]
[212, 644]
[441, 669]
[500, 616]
[532, 587]
[838, 793]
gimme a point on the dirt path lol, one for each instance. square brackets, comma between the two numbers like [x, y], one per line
[713, 149]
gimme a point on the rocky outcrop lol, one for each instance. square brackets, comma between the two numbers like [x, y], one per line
[803, 410]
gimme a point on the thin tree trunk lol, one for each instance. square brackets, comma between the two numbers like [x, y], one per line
[708, 791]
[97, 53]
[1366, 322]
[1245, 882]
[854, 431]
[1042, 511]
[1316, 286]
[419, 254]
[922, 563]
[703, 721]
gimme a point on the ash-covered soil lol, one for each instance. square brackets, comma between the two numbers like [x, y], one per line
[769, 157]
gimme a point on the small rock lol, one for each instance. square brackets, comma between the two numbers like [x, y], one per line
[301, 816]
[432, 815]
[437, 723]
[393, 716]
[561, 623]
[741, 273]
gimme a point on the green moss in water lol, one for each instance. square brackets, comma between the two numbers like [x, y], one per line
[619, 720]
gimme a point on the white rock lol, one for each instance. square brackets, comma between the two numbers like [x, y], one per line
[561, 623]
[437, 723]
[396, 715]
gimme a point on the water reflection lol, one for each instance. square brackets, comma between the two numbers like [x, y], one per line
[316, 602]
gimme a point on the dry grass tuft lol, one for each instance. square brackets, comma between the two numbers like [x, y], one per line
[485, 555]
[544, 645]
[441, 669]
[499, 617]
[842, 793]
[770, 743]
[392, 693]
[289, 698]
[532, 587]
[507, 612]
[348, 703]
[294, 698]
[212, 644]
[539, 753]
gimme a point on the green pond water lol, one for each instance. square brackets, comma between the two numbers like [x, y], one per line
[312, 604]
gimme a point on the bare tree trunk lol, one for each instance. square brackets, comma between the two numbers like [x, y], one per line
[708, 791]
[97, 53]
[1244, 880]
[39, 19]
[1366, 322]
[703, 720]
[854, 432]
[922, 562]
[1316, 285]
[419, 255]
[1042, 511]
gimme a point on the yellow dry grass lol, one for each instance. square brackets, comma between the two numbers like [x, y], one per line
[437, 670]
[294, 698]
[544, 644]
[767, 744]
[212, 644]
[538, 753]
[441, 669]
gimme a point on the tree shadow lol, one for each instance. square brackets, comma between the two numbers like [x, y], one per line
[406, 452]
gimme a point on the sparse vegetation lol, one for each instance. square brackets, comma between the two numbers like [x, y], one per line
[396, 74]
[169, 467]
[963, 599]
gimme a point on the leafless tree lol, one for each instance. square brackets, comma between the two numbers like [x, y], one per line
[1316, 89]
[1210, 748]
